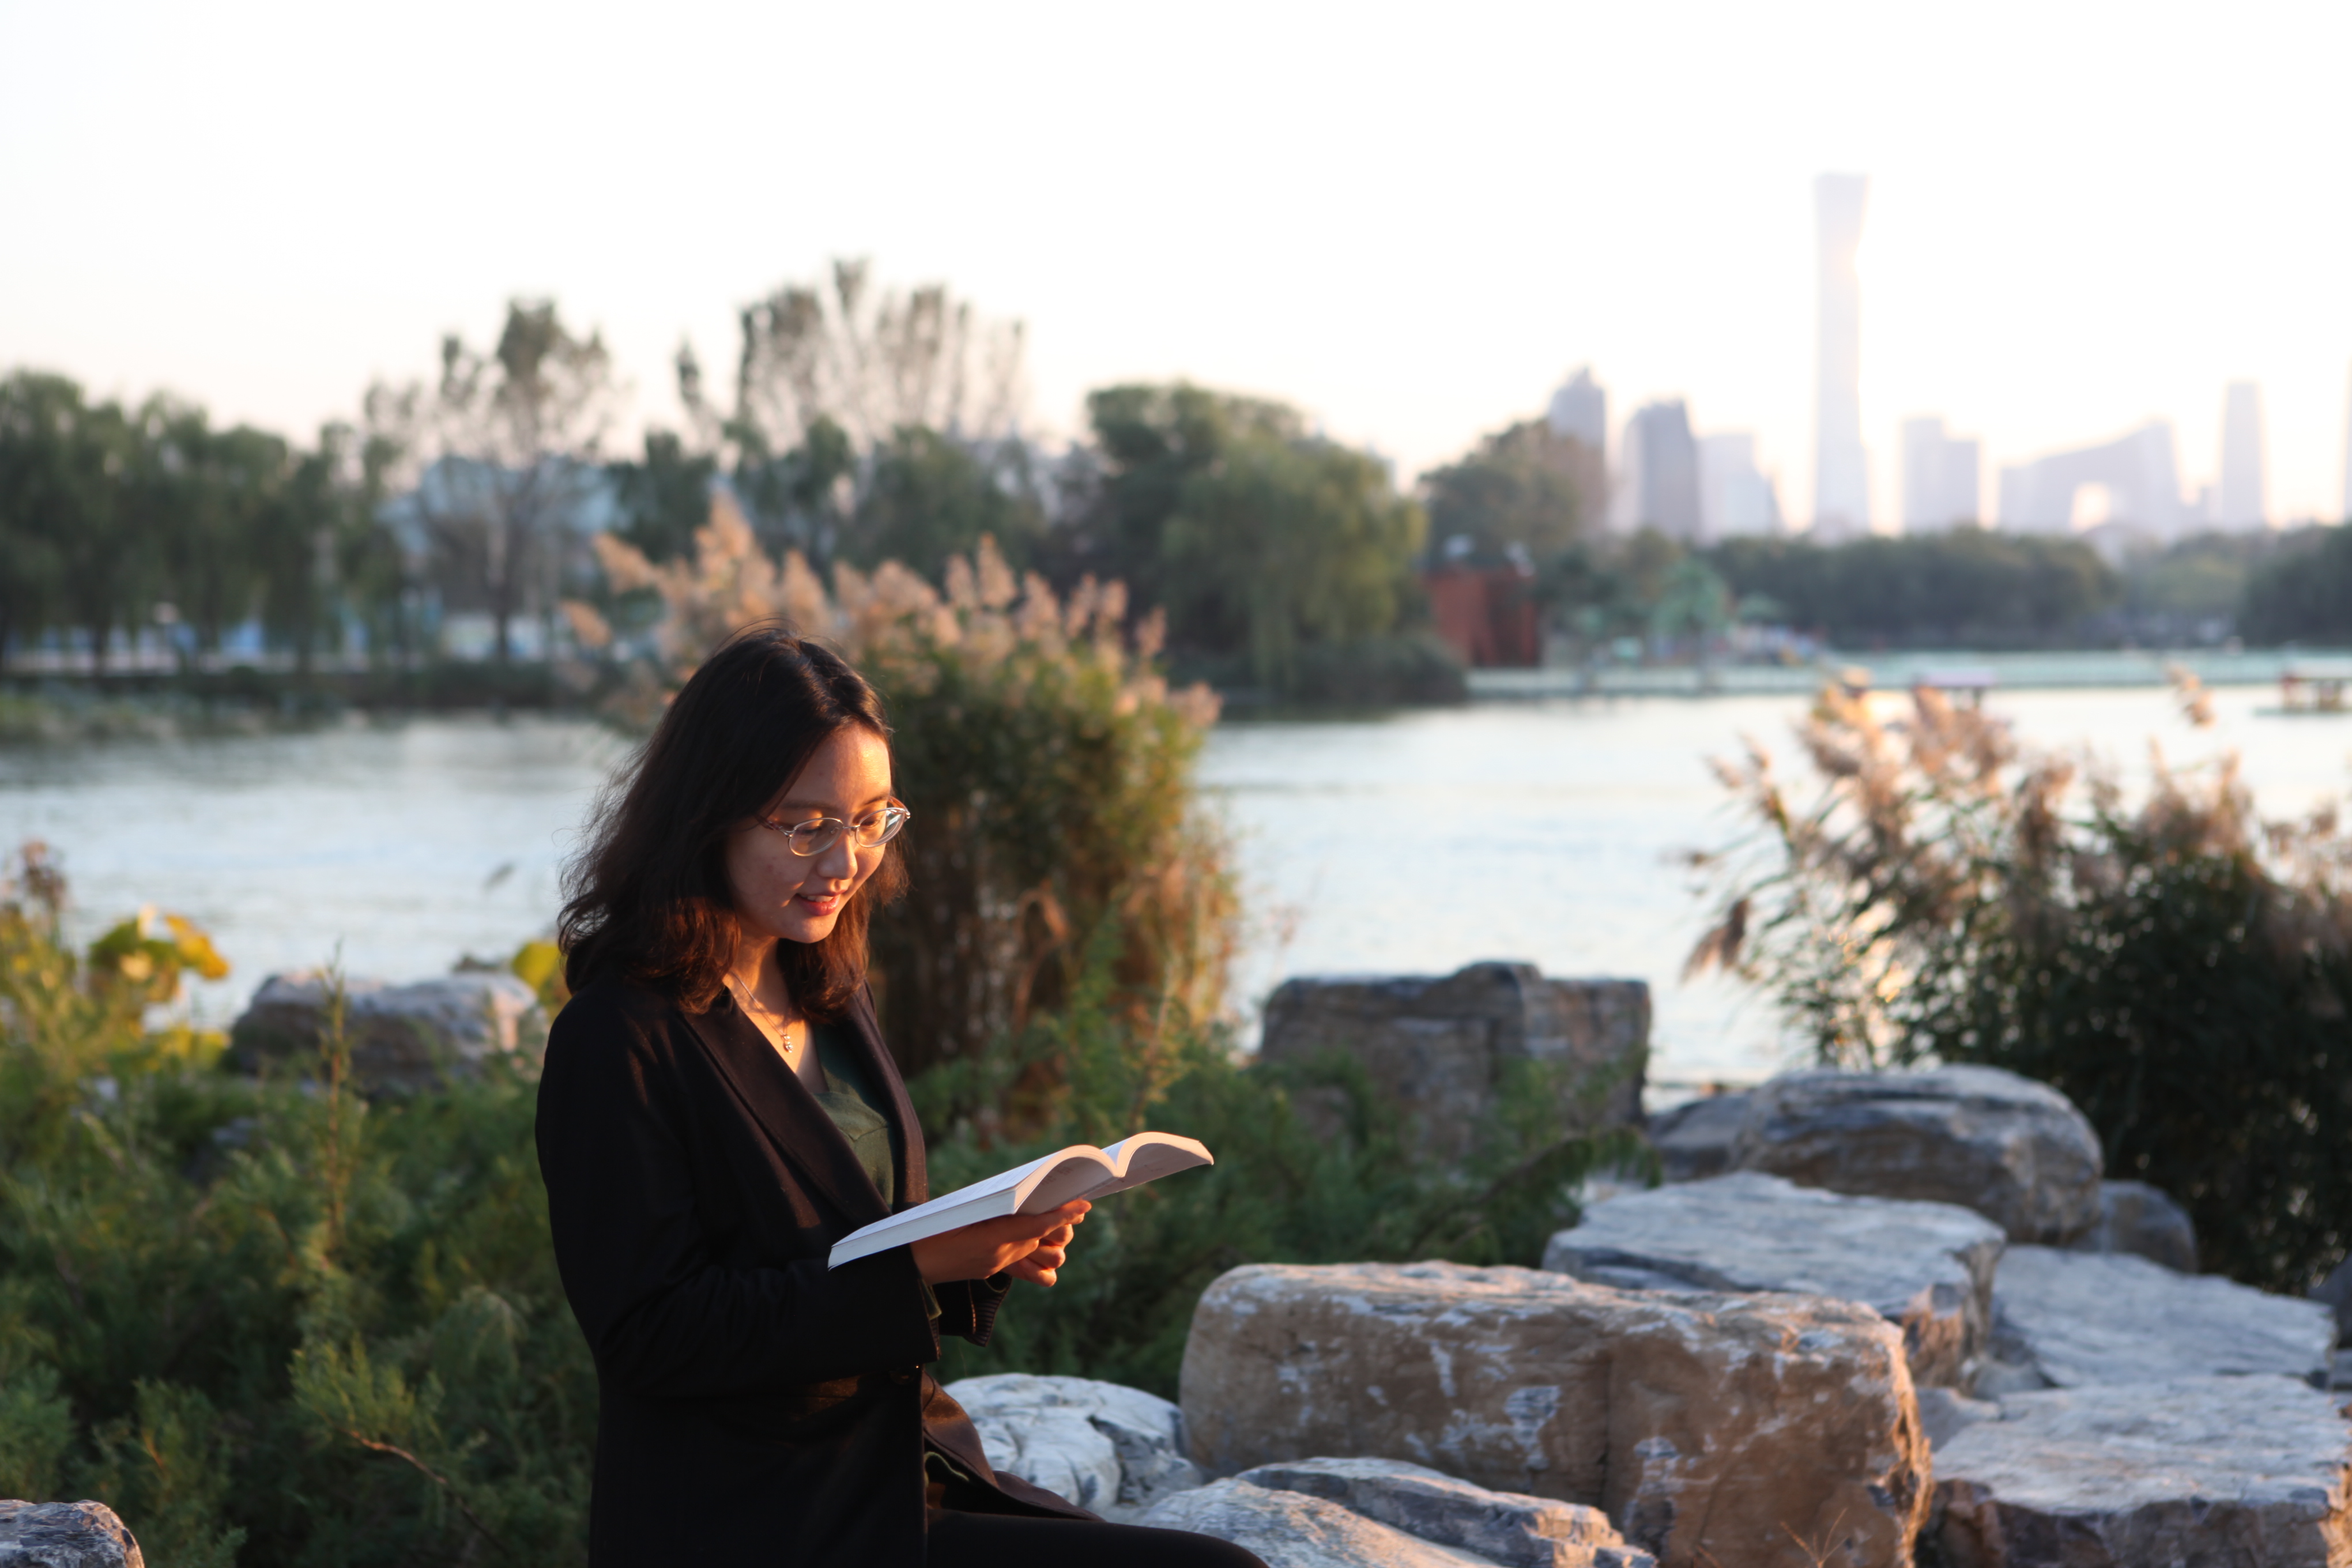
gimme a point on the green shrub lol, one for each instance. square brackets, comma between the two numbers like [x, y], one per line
[2180, 970]
[231, 1308]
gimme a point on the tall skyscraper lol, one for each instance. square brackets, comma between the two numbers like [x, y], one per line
[1734, 496]
[2244, 501]
[1661, 472]
[1841, 469]
[1939, 478]
[1581, 409]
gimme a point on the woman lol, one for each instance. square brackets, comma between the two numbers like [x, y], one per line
[716, 1110]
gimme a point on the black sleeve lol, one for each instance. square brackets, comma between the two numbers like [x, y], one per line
[968, 1306]
[660, 1316]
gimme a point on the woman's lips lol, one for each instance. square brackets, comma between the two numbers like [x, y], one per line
[819, 903]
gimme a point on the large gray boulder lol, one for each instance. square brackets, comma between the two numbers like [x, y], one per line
[2216, 1472]
[1441, 1049]
[2071, 1319]
[64, 1535]
[1750, 1428]
[1109, 1449]
[1927, 1267]
[1693, 1140]
[403, 1037]
[2015, 1151]
[1294, 1529]
[2136, 1218]
[1509, 1528]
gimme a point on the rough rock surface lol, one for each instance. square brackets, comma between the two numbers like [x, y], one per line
[1750, 1428]
[2217, 1472]
[1693, 1140]
[1441, 1048]
[403, 1037]
[2015, 1151]
[2076, 1318]
[2137, 1218]
[1927, 1267]
[1108, 1447]
[1509, 1528]
[64, 1535]
[1292, 1530]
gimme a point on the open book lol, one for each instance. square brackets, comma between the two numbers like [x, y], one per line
[1080, 1171]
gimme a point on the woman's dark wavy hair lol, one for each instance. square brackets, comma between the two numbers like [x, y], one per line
[648, 900]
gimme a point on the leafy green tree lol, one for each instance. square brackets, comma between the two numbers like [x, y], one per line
[1282, 543]
[1152, 441]
[39, 414]
[210, 504]
[664, 497]
[500, 452]
[1526, 485]
[930, 498]
[2304, 592]
[1967, 586]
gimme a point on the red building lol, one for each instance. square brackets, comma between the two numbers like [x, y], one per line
[1486, 613]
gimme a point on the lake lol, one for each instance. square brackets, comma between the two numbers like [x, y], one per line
[1413, 843]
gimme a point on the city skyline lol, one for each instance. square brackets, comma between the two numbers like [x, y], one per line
[1156, 204]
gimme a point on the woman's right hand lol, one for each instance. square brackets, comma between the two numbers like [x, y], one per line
[995, 1245]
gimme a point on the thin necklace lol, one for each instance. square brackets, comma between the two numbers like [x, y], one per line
[756, 1009]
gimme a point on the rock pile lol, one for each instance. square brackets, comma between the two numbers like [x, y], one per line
[64, 1535]
[1109, 1449]
[1926, 1267]
[1440, 1048]
[1681, 1416]
[403, 1037]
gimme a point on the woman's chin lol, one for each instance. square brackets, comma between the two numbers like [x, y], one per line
[807, 928]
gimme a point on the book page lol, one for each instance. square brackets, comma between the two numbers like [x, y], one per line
[1081, 1171]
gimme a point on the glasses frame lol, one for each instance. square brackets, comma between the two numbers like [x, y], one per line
[832, 829]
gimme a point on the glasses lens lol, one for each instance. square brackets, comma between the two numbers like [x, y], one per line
[880, 826]
[815, 838]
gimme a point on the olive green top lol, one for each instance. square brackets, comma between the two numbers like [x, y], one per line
[856, 1109]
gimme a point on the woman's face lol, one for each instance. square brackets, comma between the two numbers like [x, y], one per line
[799, 897]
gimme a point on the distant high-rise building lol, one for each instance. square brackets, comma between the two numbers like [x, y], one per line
[1661, 472]
[2242, 502]
[2139, 472]
[1939, 478]
[1841, 469]
[1734, 496]
[1581, 409]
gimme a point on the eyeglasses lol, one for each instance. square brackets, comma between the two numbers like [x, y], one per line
[819, 834]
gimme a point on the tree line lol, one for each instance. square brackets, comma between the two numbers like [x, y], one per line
[859, 424]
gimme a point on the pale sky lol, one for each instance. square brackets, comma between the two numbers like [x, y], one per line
[1411, 221]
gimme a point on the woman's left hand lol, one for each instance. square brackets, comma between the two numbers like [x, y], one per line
[1053, 1250]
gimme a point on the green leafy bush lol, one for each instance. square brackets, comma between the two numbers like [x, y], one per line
[2180, 969]
[270, 1322]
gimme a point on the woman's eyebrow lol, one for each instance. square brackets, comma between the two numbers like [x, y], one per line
[826, 805]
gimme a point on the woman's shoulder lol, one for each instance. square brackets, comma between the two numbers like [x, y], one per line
[611, 1015]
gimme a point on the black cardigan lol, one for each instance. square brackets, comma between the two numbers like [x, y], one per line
[752, 1405]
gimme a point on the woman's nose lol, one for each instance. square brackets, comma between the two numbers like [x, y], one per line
[839, 863]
